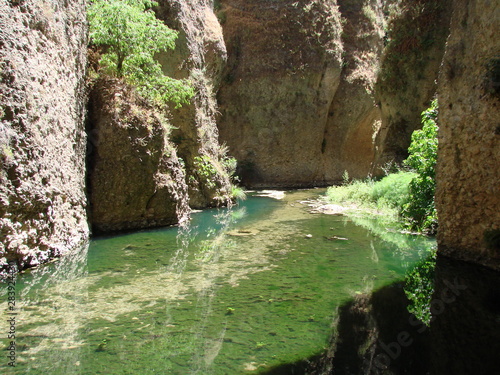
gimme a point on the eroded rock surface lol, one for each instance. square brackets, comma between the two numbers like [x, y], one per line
[200, 55]
[468, 191]
[135, 177]
[311, 90]
[283, 70]
[409, 68]
[42, 134]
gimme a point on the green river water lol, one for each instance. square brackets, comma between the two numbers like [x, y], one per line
[238, 291]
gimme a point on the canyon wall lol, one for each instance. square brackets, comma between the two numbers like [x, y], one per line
[312, 89]
[150, 164]
[135, 177]
[468, 190]
[42, 135]
[284, 65]
[409, 68]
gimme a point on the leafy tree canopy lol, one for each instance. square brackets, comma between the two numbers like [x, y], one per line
[131, 36]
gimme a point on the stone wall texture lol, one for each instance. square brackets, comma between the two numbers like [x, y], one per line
[468, 184]
[42, 135]
[311, 88]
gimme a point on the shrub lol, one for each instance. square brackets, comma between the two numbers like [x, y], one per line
[131, 35]
[393, 190]
[420, 210]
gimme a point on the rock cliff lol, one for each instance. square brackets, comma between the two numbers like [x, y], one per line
[409, 67]
[311, 88]
[42, 134]
[135, 177]
[468, 192]
[200, 55]
[284, 63]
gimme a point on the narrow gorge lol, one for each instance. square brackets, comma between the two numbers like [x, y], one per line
[289, 95]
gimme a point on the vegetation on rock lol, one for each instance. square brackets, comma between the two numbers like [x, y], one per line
[130, 35]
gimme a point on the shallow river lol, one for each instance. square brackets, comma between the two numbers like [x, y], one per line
[239, 291]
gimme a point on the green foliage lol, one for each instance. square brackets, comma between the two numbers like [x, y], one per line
[393, 190]
[408, 195]
[238, 193]
[419, 287]
[420, 210]
[358, 192]
[206, 170]
[230, 164]
[131, 35]
[387, 195]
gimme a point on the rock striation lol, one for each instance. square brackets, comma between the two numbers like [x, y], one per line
[311, 90]
[468, 191]
[284, 64]
[42, 132]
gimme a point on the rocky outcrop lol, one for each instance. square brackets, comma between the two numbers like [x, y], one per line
[468, 195]
[42, 135]
[135, 177]
[200, 55]
[354, 119]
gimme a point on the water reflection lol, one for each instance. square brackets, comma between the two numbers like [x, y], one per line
[238, 291]
[377, 335]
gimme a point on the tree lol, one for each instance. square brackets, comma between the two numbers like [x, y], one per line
[422, 158]
[131, 35]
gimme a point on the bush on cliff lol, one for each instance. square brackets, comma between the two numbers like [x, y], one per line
[130, 35]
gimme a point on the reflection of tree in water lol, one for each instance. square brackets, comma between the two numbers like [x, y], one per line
[419, 287]
[208, 251]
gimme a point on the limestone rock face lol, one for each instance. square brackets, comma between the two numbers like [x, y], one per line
[135, 177]
[354, 119]
[200, 55]
[468, 190]
[409, 67]
[311, 90]
[284, 64]
[42, 133]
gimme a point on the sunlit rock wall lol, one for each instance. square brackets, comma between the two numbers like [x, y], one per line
[284, 66]
[468, 184]
[313, 88]
[42, 136]
[200, 55]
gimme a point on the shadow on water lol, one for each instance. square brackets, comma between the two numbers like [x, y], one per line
[375, 334]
